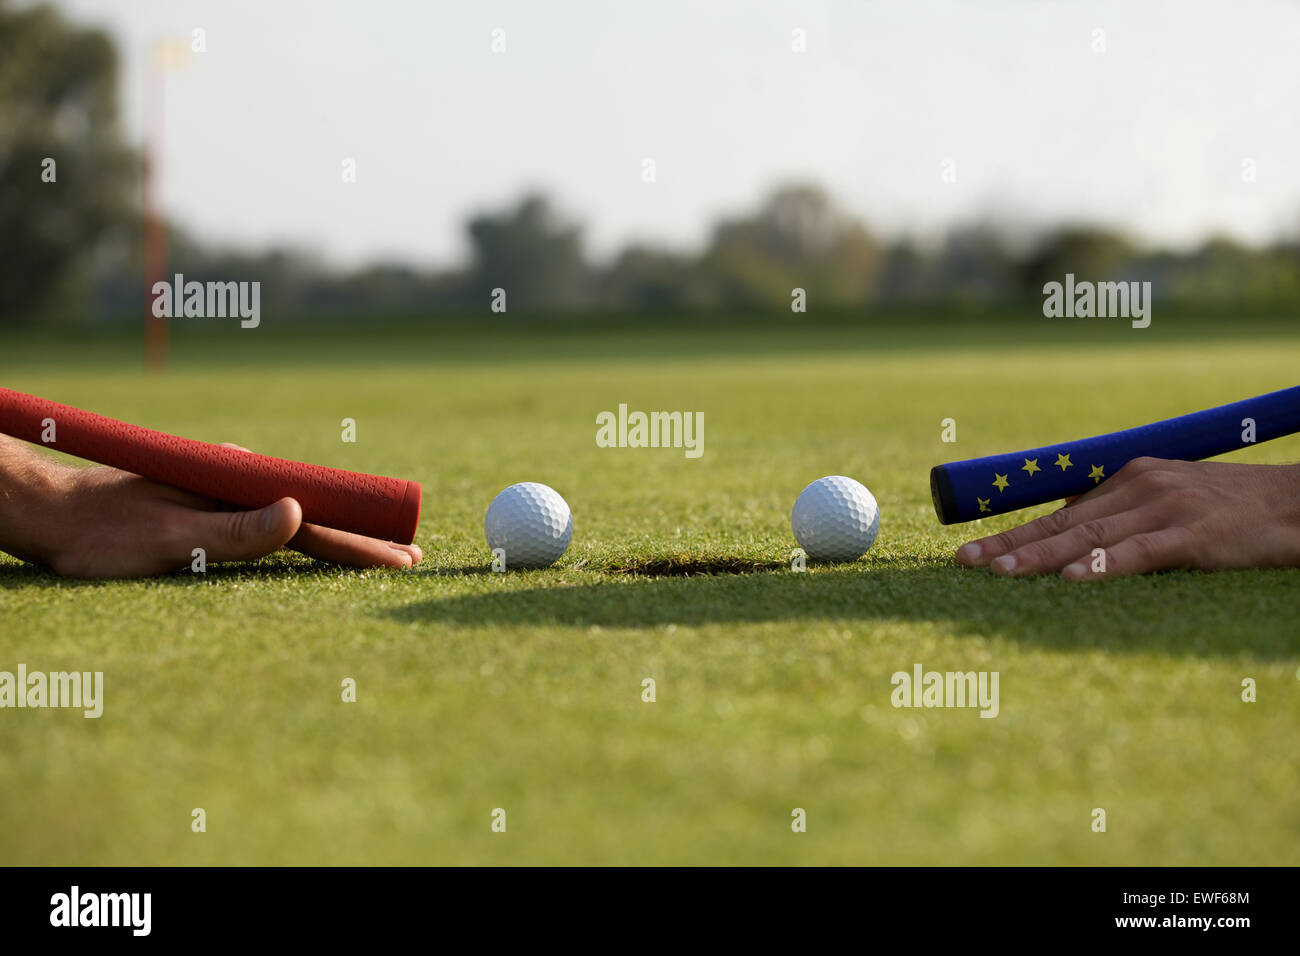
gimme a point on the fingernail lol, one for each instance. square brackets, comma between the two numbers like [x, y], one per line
[1075, 572]
[268, 519]
[1005, 564]
[969, 553]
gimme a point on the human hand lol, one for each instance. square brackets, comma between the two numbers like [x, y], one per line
[1156, 514]
[102, 522]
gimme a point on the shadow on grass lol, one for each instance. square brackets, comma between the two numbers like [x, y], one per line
[1247, 613]
[277, 567]
[1251, 613]
[686, 566]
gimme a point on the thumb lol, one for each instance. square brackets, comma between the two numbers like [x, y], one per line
[244, 535]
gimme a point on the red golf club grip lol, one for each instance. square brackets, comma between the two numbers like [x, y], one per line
[386, 508]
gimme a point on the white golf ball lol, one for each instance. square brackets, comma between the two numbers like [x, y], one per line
[531, 523]
[835, 519]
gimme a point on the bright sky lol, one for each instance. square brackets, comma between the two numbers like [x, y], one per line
[1152, 133]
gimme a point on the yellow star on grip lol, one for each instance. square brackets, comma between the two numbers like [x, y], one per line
[984, 503]
[1063, 462]
[1097, 474]
[1031, 465]
[1000, 482]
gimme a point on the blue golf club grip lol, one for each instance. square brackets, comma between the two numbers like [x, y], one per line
[996, 484]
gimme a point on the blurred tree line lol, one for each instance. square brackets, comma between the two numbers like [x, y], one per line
[72, 247]
[796, 239]
[67, 181]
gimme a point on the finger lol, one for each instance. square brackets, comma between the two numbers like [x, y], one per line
[231, 444]
[1054, 553]
[1151, 551]
[238, 535]
[981, 551]
[355, 550]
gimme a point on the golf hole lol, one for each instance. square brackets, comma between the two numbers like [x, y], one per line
[683, 566]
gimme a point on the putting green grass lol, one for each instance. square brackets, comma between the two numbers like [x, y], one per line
[523, 691]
